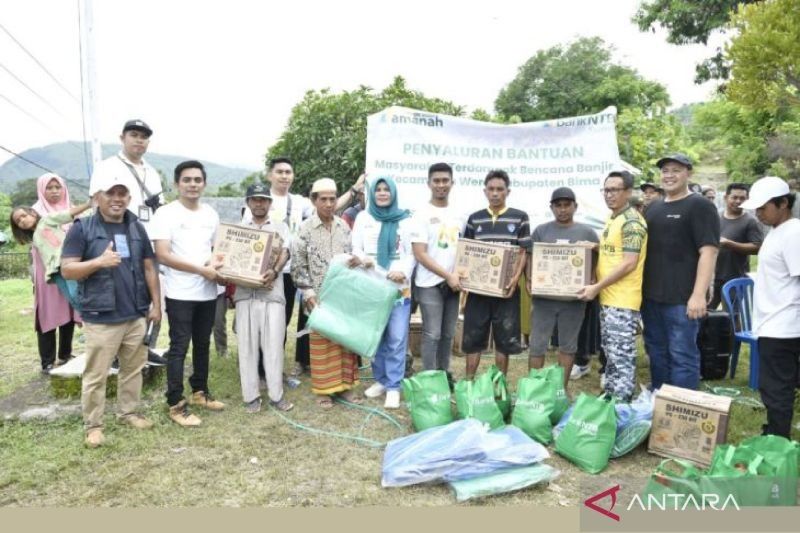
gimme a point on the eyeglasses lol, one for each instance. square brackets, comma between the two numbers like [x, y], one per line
[612, 191]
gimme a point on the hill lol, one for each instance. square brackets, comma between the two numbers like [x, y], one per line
[67, 160]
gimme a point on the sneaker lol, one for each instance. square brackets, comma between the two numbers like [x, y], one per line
[375, 390]
[602, 381]
[204, 399]
[95, 438]
[179, 413]
[136, 421]
[61, 362]
[253, 407]
[392, 400]
[579, 371]
[282, 405]
[46, 370]
[153, 359]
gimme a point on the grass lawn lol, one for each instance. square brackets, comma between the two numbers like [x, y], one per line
[235, 459]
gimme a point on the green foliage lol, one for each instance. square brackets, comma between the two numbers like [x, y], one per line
[691, 22]
[643, 139]
[229, 190]
[326, 134]
[576, 79]
[766, 55]
[25, 193]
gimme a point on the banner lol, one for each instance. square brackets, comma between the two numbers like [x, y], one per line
[576, 152]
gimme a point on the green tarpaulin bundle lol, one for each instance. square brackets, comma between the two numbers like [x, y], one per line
[588, 437]
[554, 374]
[428, 397]
[535, 403]
[503, 481]
[476, 398]
[354, 307]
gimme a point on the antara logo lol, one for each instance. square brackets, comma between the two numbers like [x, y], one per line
[663, 502]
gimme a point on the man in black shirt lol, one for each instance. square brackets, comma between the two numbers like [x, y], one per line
[682, 250]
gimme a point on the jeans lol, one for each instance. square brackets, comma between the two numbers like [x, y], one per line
[188, 320]
[389, 364]
[439, 306]
[777, 379]
[670, 339]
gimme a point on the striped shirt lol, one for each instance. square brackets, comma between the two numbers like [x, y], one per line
[511, 226]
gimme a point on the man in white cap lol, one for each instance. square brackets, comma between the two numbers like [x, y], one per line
[776, 307]
[334, 370]
[111, 256]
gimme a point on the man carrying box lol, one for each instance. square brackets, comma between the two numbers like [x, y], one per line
[547, 313]
[500, 224]
[620, 268]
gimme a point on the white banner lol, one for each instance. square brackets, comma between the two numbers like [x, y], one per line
[539, 157]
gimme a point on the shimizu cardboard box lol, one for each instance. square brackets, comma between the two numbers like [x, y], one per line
[485, 267]
[246, 253]
[558, 271]
[688, 424]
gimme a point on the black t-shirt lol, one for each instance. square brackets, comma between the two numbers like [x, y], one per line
[744, 229]
[512, 227]
[75, 246]
[676, 232]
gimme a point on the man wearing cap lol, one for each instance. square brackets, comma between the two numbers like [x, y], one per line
[260, 315]
[110, 255]
[565, 315]
[776, 302]
[334, 370]
[650, 193]
[683, 238]
[620, 268]
[740, 237]
[183, 232]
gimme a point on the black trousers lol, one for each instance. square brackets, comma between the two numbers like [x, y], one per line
[777, 381]
[589, 337]
[47, 343]
[188, 321]
[301, 350]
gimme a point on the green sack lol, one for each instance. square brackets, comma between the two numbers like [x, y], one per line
[534, 405]
[734, 472]
[354, 308]
[554, 374]
[428, 397]
[503, 481]
[501, 395]
[673, 476]
[475, 399]
[588, 437]
[779, 466]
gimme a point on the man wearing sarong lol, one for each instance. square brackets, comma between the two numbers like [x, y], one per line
[334, 370]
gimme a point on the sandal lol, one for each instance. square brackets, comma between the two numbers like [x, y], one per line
[325, 402]
[350, 396]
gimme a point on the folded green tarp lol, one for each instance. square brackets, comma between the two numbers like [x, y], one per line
[354, 307]
[503, 481]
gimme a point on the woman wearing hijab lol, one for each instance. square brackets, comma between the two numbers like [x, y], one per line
[381, 235]
[51, 309]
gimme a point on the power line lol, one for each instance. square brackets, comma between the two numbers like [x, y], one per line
[34, 163]
[39, 96]
[52, 77]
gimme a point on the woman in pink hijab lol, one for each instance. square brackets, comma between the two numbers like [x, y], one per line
[51, 310]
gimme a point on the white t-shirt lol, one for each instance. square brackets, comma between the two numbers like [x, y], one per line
[115, 167]
[366, 231]
[302, 208]
[439, 228]
[776, 306]
[191, 235]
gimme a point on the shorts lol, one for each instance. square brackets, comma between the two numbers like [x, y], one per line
[546, 314]
[501, 315]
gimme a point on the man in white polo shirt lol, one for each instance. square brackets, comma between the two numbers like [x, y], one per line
[776, 302]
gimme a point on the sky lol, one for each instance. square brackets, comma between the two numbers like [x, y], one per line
[217, 80]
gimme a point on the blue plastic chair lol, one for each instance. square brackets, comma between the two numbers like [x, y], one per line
[738, 296]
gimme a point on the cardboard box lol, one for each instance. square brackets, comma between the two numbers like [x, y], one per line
[688, 424]
[486, 267]
[415, 335]
[558, 271]
[246, 253]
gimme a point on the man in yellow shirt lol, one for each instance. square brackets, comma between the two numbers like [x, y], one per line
[620, 269]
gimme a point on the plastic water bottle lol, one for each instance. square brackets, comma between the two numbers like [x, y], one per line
[292, 382]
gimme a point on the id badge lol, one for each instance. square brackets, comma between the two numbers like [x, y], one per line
[144, 213]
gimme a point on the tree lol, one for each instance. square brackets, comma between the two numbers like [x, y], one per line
[643, 138]
[25, 193]
[691, 22]
[327, 133]
[576, 79]
[765, 55]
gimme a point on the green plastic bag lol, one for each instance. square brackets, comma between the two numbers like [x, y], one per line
[503, 481]
[475, 399]
[734, 472]
[588, 437]
[501, 395]
[779, 466]
[554, 374]
[673, 476]
[534, 405]
[354, 308]
[428, 397]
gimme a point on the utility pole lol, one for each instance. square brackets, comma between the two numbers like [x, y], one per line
[89, 80]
